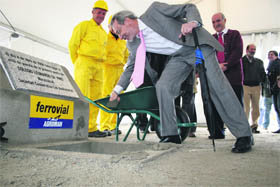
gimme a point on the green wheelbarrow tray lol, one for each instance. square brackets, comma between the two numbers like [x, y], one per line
[142, 100]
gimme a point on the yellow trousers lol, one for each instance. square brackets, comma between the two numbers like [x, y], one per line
[89, 77]
[111, 74]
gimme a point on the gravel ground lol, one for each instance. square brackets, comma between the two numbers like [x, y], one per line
[194, 163]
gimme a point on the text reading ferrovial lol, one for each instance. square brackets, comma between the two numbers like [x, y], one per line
[50, 113]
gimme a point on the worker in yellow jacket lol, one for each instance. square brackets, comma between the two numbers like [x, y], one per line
[87, 48]
[117, 54]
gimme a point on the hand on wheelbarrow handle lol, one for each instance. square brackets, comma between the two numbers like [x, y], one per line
[114, 100]
[113, 103]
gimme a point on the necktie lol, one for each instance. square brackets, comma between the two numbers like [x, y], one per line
[221, 54]
[137, 76]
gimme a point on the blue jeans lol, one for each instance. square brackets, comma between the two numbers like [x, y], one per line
[265, 109]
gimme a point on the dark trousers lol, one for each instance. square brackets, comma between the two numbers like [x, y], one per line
[219, 124]
[276, 101]
[238, 90]
[157, 62]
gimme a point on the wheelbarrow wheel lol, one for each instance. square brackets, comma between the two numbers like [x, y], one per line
[2, 132]
[182, 117]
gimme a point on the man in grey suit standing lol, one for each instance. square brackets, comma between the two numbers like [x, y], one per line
[162, 27]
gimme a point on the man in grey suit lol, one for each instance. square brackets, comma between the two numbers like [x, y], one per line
[162, 27]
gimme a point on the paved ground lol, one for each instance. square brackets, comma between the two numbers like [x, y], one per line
[194, 163]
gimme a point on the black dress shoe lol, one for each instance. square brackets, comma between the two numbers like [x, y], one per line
[218, 134]
[278, 131]
[255, 131]
[192, 135]
[242, 145]
[171, 139]
[142, 129]
[221, 136]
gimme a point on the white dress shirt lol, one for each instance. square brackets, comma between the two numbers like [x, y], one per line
[224, 32]
[155, 43]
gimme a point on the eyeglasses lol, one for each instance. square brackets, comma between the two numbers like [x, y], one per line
[118, 31]
[216, 21]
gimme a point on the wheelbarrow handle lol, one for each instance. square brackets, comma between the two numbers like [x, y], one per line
[122, 111]
[99, 105]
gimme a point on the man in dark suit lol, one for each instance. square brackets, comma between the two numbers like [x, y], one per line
[230, 63]
[160, 28]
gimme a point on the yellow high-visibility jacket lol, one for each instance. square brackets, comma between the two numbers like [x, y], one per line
[117, 53]
[88, 39]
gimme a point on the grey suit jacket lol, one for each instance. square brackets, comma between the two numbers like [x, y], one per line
[167, 20]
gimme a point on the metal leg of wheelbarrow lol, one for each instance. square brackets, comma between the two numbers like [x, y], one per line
[119, 119]
[134, 122]
[131, 126]
[145, 131]
[2, 132]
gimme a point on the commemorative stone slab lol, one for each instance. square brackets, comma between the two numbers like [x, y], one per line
[39, 101]
[30, 73]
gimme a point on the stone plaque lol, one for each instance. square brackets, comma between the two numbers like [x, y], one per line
[30, 73]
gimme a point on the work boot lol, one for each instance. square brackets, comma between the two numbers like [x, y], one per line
[97, 134]
[113, 132]
[108, 132]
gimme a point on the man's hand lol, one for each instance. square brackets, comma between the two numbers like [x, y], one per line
[114, 96]
[278, 81]
[187, 28]
[223, 66]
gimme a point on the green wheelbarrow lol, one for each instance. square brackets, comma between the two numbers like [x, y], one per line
[142, 101]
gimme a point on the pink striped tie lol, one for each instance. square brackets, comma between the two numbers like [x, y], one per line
[221, 54]
[137, 76]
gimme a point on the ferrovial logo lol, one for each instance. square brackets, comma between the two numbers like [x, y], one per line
[52, 108]
[50, 113]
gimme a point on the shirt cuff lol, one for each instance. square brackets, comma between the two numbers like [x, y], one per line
[198, 24]
[118, 89]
